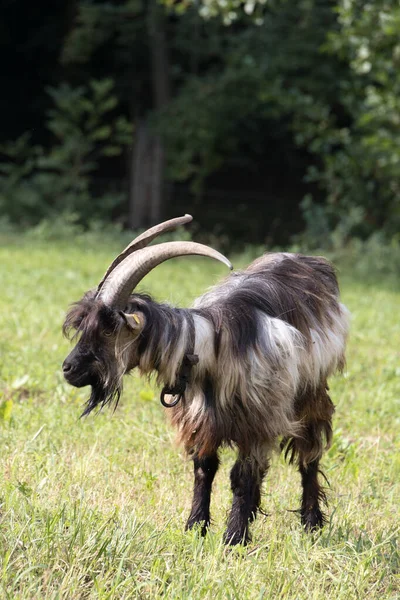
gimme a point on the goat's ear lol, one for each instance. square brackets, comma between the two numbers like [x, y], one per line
[134, 321]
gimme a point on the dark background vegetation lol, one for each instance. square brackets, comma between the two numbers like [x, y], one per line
[272, 122]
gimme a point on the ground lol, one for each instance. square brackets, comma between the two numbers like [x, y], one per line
[95, 508]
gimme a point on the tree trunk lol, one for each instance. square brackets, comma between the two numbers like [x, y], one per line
[140, 175]
[147, 197]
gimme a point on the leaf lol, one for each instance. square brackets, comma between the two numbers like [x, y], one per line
[108, 104]
[146, 394]
[24, 488]
[102, 133]
[6, 410]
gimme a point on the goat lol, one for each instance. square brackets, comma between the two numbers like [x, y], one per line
[246, 366]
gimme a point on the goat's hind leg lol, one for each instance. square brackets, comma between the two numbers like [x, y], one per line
[205, 469]
[312, 517]
[246, 479]
[307, 451]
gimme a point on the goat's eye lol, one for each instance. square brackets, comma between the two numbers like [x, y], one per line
[108, 333]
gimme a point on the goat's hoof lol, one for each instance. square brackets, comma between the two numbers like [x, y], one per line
[200, 524]
[312, 520]
[234, 538]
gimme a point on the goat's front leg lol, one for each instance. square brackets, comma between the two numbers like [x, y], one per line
[205, 469]
[246, 479]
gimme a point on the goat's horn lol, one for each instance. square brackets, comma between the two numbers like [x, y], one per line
[143, 240]
[126, 276]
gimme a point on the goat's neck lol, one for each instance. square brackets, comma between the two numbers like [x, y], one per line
[167, 342]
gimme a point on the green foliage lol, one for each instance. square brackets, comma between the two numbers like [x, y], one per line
[373, 258]
[312, 85]
[269, 86]
[98, 24]
[36, 183]
[5, 410]
[229, 10]
[360, 174]
[322, 76]
[209, 125]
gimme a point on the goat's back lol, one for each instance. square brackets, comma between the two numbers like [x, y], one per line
[300, 290]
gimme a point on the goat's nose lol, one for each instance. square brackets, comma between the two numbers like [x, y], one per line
[67, 366]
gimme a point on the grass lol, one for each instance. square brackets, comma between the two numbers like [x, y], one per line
[95, 508]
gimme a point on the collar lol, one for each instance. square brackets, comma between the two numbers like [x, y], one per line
[183, 374]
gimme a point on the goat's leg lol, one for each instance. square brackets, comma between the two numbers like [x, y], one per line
[311, 515]
[246, 478]
[205, 469]
[315, 410]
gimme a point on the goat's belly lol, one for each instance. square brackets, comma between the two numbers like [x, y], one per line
[202, 427]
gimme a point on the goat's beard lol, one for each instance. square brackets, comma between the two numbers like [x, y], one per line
[105, 390]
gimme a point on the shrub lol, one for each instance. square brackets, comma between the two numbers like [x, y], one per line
[37, 184]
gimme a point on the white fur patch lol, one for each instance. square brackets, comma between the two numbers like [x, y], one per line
[328, 347]
[204, 343]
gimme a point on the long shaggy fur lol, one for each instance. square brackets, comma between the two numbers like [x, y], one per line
[93, 323]
[267, 339]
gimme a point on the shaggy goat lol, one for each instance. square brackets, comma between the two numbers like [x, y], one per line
[248, 364]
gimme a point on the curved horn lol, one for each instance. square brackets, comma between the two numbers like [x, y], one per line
[143, 240]
[126, 276]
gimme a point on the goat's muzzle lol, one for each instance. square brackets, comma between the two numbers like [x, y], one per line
[76, 375]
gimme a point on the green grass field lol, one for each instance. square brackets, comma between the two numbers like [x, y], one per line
[95, 508]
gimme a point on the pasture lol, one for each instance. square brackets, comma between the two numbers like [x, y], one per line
[95, 508]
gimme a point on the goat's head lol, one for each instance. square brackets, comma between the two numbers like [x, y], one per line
[106, 348]
[107, 331]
